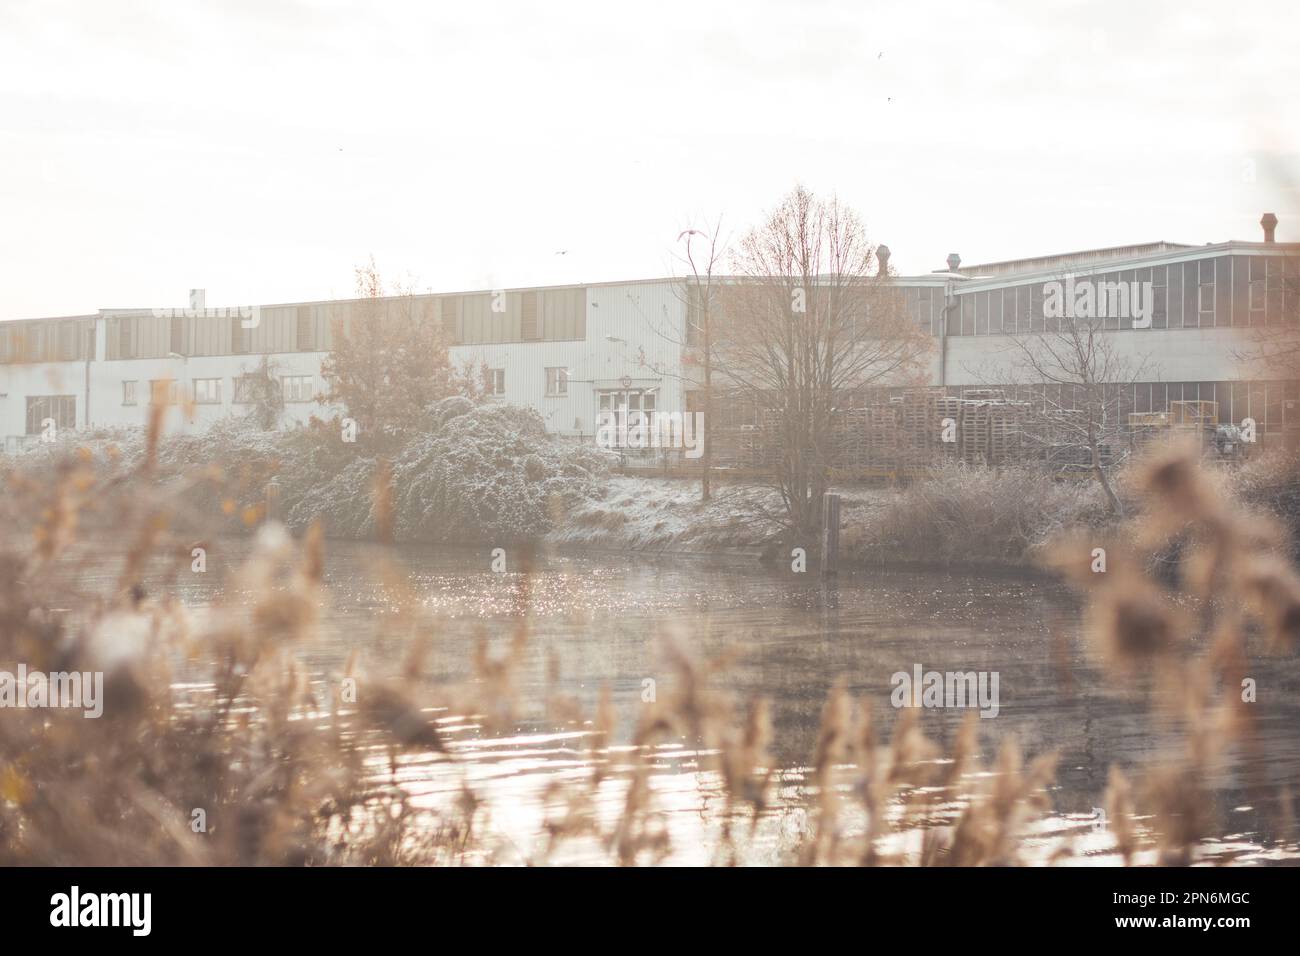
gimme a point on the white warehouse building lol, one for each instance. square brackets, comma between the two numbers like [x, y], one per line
[571, 351]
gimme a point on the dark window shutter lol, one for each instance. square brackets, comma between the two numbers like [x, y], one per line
[528, 317]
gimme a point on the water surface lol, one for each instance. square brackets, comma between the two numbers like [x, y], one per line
[601, 619]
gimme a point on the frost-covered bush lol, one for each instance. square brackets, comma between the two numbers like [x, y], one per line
[465, 472]
[343, 502]
[488, 472]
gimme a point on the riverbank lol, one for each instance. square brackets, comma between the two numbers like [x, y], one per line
[959, 517]
[491, 475]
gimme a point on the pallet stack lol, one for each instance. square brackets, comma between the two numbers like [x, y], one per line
[1006, 427]
[918, 424]
[973, 432]
[948, 408]
[882, 437]
[850, 436]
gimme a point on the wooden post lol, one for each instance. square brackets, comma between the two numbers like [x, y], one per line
[830, 534]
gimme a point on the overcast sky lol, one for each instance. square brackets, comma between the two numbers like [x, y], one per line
[262, 149]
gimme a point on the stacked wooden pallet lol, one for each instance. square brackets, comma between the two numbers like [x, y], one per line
[1006, 427]
[948, 412]
[973, 432]
[850, 435]
[882, 437]
[917, 417]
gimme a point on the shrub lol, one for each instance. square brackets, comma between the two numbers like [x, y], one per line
[961, 514]
[489, 472]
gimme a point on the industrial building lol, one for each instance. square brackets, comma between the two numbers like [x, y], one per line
[571, 352]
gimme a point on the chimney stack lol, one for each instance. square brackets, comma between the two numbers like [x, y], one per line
[882, 260]
[954, 262]
[1269, 222]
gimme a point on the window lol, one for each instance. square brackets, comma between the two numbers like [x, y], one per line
[306, 329]
[528, 317]
[124, 339]
[1206, 292]
[557, 381]
[244, 385]
[1257, 283]
[238, 337]
[1160, 297]
[450, 316]
[207, 391]
[68, 341]
[59, 409]
[128, 393]
[163, 391]
[634, 400]
[298, 388]
[494, 381]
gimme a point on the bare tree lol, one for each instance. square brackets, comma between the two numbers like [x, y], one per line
[1075, 377]
[389, 361]
[698, 262]
[804, 323]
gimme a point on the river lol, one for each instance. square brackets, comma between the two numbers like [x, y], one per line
[602, 619]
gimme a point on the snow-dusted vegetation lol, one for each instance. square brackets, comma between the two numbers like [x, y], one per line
[466, 472]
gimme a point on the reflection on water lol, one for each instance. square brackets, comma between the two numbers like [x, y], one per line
[602, 617]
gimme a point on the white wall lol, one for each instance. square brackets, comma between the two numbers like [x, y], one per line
[633, 331]
[1170, 355]
[106, 408]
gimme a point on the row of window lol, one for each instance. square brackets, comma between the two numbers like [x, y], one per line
[557, 381]
[484, 318]
[44, 340]
[1218, 292]
[207, 391]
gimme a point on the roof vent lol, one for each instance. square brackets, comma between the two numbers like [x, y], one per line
[882, 260]
[954, 262]
[1269, 222]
